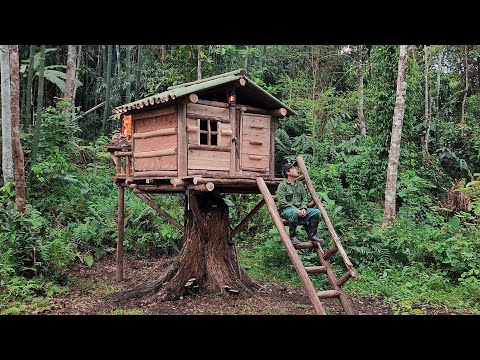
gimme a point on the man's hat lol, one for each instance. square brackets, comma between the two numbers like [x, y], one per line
[286, 167]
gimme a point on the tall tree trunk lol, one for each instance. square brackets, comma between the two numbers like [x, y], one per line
[394, 154]
[428, 120]
[17, 145]
[77, 66]
[478, 72]
[38, 120]
[199, 64]
[70, 77]
[117, 47]
[106, 110]
[263, 59]
[163, 53]
[139, 71]
[207, 262]
[128, 79]
[7, 152]
[314, 63]
[28, 103]
[437, 96]
[465, 89]
[361, 115]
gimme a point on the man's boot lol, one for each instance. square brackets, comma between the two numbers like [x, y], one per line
[292, 227]
[312, 230]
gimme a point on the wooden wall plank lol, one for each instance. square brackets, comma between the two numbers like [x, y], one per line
[182, 140]
[208, 160]
[154, 113]
[156, 143]
[156, 123]
[213, 111]
[168, 162]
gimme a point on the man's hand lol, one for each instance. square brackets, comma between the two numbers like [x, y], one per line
[302, 212]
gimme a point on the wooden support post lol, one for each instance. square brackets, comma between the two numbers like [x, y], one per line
[330, 228]
[118, 164]
[121, 228]
[128, 169]
[292, 253]
[182, 165]
[247, 219]
[233, 143]
[272, 149]
[157, 208]
[198, 217]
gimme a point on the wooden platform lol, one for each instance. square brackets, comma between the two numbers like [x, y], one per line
[199, 183]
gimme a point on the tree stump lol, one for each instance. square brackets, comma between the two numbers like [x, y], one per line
[207, 261]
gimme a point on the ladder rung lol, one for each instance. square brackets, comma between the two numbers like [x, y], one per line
[330, 252]
[315, 269]
[304, 245]
[328, 294]
[344, 278]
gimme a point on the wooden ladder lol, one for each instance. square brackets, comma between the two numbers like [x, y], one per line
[323, 256]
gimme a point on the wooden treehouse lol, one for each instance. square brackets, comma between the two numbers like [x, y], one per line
[205, 138]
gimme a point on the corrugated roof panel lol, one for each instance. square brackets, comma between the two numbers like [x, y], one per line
[204, 84]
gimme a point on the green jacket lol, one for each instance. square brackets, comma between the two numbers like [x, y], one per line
[291, 195]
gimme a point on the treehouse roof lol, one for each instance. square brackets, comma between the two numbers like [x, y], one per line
[251, 93]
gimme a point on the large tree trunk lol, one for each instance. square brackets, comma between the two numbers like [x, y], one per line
[17, 145]
[7, 153]
[428, 119]
[77, 66]
[394, 154]
[207, 262]
[361, 115]
[70, 77]
[28, 103]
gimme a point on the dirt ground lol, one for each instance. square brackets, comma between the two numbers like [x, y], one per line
[88, 286]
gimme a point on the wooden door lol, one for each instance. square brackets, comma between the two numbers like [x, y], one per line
[255, 142]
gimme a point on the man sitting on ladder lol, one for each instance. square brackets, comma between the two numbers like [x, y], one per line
[292, 205]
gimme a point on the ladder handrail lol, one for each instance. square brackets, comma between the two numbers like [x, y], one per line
[331, 230]
[292, 253]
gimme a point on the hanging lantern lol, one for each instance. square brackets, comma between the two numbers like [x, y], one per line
[231, 99]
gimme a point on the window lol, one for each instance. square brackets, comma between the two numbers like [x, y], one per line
[208, 132]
